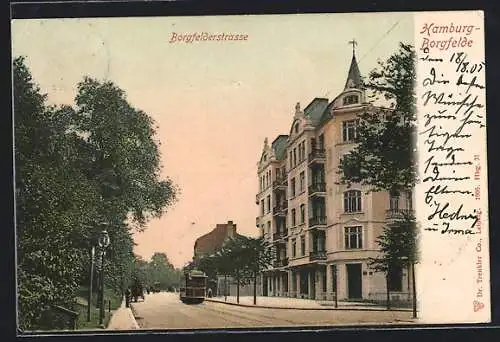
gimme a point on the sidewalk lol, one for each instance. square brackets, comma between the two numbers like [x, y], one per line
[122, 319]
[300, 304]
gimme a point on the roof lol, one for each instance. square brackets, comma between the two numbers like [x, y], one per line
[315, 110]
[279, 146]
[210, 242]
[353, 75]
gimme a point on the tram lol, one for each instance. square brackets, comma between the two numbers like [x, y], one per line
[193, 287]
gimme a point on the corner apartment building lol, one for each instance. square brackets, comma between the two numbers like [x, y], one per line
[324, 233]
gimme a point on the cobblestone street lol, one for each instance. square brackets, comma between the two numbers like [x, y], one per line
[165, 311]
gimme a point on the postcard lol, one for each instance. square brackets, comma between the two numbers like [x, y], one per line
[250, 171]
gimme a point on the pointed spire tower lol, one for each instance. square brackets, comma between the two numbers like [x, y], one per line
[354, 76]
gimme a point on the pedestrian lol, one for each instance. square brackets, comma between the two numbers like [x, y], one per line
[209, 293]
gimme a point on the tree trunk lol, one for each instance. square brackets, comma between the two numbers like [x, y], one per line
[414, 290]
[388, 295]
[238, 286]
[255, 288]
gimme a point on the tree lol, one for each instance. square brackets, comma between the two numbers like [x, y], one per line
[54, 201]
[383, 158]
[78, 168]
[259, 257]
[233, 259]
[398, 246]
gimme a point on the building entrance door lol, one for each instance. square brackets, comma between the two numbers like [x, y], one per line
[354, 281]
[264, 286]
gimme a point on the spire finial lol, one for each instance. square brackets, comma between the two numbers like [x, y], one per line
[266, 142]
[354, 43]
[297, 108]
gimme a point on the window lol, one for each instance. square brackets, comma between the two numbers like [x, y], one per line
[294, 248]
[353, 237]
[268, 230]
[291, 160]
[302, 181]
[352, 201]
[268, 203]
[394, 201]
[409, 201]
[321, 142]
[334, 278]
[395, 279]
[294, 156]
[293, 187]
[294, 218]
[349, 130]
[302, 246]
[262, 207]
[302, 151]
[297, 127]
[351, 99]
[302, 213]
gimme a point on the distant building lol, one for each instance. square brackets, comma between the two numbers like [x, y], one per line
[210, 242]
[206, 245]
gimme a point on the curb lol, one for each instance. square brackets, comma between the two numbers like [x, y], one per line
[305, 309]
[132, 317]
[133, 320]
[130, 314]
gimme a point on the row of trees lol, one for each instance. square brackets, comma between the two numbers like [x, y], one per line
[241, 258]
[79, 169]
[157, 271]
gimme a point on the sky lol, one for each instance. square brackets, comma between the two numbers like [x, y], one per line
[215, 101]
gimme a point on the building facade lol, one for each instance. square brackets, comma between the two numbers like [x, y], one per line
[324, 233]
[206, 245]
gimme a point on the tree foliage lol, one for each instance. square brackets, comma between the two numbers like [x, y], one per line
[79, 169]
[159, 270]
[240, 257]
[398, 244]
[384, 157]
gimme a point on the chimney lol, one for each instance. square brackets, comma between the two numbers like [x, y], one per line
[230, 222]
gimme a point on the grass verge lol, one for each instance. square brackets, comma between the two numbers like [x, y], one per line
[112, 301]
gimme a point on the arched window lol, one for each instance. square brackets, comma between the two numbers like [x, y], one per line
[297, 127]
[351, 99]
[352, 201]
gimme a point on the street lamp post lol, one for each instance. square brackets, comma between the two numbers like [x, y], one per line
[103, 242]
[92, 253]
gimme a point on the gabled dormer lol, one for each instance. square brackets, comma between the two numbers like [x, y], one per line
[267, 155]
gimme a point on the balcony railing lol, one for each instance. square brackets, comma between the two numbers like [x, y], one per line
[317, 221]
[317, 255]
[398, 213]
[280, 263]
[317, 155]
[317, 188]
[280, 209]
[280, 183]
[279, 235]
